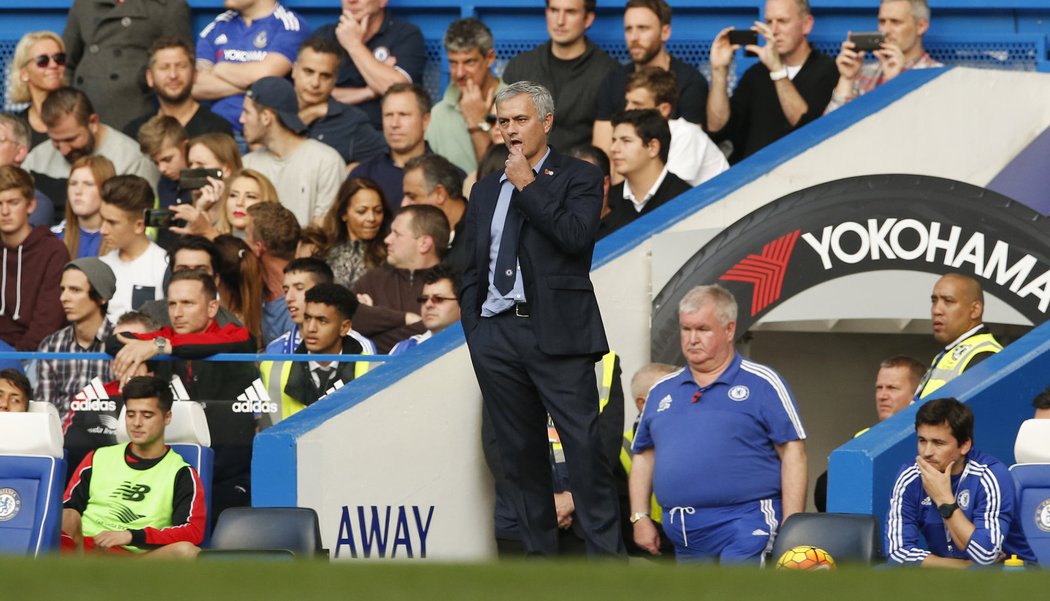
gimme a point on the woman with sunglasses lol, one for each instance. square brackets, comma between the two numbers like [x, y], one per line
[37, 69]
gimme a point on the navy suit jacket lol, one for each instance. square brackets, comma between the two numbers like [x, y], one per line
[561, 211]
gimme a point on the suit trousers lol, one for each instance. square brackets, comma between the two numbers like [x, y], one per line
[521, 385]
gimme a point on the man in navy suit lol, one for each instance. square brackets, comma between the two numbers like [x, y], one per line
[532, 323]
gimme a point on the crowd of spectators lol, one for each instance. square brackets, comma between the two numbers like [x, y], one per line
[276, 187]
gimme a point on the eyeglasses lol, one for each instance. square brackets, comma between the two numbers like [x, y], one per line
[43, 59]
[437, 298]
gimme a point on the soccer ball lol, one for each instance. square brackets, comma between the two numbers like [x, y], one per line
[805, 557]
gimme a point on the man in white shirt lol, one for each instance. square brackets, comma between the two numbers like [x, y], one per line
[692, 155]
[137, 262]
[306, 173]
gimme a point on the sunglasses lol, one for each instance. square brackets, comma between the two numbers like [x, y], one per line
[43, 59]
[438, 299]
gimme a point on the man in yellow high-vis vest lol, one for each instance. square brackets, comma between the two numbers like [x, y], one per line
[957, 311]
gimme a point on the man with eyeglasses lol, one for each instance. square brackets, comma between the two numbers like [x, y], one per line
[438, 306]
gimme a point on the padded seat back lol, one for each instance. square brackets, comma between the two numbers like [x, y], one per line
[32, 474]
[1032, 444]
[252, 529]
[849, 538]
[1033, 495]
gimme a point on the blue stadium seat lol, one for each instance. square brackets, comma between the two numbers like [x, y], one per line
[287, 531]
[1032, 477]
[189, 436]
[32, 473]
[849, 538]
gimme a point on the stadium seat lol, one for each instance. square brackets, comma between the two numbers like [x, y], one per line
[1032, 477]
[289, 531]
[849, 538]
[32, 472]
[189, 436]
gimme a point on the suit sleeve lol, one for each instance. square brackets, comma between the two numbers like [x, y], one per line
[188, 515]
[468, 295]
[568, 219]
[991, 519]
[902, 520]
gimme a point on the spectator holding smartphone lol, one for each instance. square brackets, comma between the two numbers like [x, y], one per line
[903, 23]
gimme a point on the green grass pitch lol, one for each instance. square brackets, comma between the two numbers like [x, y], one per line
[118, 578]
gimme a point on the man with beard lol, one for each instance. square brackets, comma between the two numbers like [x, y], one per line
[170, 74]
[75, 131]
[646, 29]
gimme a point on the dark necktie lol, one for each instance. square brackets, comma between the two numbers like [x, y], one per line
[507, 259]
[324, 374]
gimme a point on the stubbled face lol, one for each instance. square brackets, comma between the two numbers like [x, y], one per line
[145, 421]
[439, 308]
[402, 244]
[82, 192]
[12, 399]
[171, 75]
[189, 308]
[295, 286]
[72, 139]
[644, 34]
[314, 76]
[414, 185]
[244, 193]
[894, 389]
[470, 65]
[567, 21]
[364, 215]
[75, 297]
[939, 448]
[252, 122]
[954, 308]
[706, 343]
[522, 127]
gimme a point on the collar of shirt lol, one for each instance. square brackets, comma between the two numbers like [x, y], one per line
[640, 204]
[726, 377]
[314, 365]
[965, 335]
[535, 168]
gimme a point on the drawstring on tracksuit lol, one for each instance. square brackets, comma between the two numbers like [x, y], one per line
[18, 286]
[681, 519]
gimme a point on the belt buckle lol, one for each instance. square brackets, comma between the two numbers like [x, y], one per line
[518, 307]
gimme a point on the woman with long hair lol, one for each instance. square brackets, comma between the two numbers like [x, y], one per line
[240, 283]
[246, 187]
[355, 225]
[208, 151]
[37, 69]
[82, 228]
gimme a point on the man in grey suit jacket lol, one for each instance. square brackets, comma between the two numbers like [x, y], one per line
[532, 323]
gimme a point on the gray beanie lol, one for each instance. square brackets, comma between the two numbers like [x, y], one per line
[99, 275]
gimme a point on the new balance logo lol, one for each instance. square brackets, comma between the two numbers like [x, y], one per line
[124, 514]
[131, 492]
[255, 400]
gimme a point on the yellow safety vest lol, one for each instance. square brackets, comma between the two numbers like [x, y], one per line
[275, 386]
[952, 363]
[626, 455]
[605, 379]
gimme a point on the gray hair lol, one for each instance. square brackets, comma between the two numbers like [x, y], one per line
[725, 302]
[17, 127]
[465, 35]
[920, 9]
[541, 97]
[647, 375]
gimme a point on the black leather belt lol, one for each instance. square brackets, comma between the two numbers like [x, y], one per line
[521, 310]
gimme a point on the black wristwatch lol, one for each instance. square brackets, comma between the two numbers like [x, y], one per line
[947, 509]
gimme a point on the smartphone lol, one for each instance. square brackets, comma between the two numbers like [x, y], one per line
[195, 179]
[743, 37]
[159, 218]
[867, 40]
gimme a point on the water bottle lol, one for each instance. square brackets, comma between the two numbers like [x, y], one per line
[1013, 564]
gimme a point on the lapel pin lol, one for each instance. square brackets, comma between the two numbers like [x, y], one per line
[548, 172]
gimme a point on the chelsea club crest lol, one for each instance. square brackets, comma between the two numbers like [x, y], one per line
[1042, 515]
[10, 504]
[739, 393]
